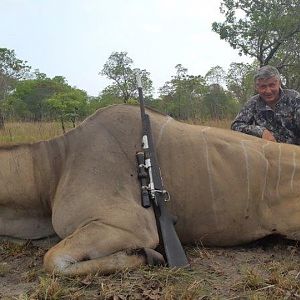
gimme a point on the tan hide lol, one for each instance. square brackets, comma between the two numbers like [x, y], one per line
[226, 188]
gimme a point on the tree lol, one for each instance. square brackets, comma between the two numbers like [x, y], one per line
[12, 69]
[118, 68]
[180, 96]
[32, 96]
[69, 105]
[14, 108]
[219, 103]
[35, 93]
[38, 75]
[287, 60]
[216, 75]
[110, 95]
[239, 80]
[259, 28]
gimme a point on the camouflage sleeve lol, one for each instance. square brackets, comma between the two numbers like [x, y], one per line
[244, 121]
[297, 113]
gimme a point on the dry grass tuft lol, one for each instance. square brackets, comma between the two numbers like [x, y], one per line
[50, 288]
[267, 271]
[219, 123]
[27, 132]
[4, 269]
[145, 283]
[15, 248]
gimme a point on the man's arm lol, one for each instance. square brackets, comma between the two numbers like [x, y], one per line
[297, 113]
[244, 121]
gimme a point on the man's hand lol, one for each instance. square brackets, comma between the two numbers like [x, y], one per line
[268, 135]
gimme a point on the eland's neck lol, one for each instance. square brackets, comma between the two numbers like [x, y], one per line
[29, 174]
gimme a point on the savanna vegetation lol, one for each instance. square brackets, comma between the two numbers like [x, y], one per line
[267, 31]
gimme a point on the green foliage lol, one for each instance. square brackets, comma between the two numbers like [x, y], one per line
[69, 105]
[192, 97]
[14, 108]
[133, 101]
[11, 70]
[118, 68]
[239, 81]
[38, 75]
[287, 60]
[218, 103]
[110, 96]
[267, 30]
[178, 95]
[184, 96]
[44, 98]
[107, 97]
[216, 75]
[35, 93]
[259, 28]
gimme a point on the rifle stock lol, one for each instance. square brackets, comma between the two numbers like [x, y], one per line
[173, 250]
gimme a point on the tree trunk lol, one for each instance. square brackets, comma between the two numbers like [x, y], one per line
[63, 125]
[1, 120]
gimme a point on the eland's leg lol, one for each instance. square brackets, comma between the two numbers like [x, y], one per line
[97, 247]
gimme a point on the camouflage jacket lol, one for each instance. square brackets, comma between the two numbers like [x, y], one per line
[283, 121]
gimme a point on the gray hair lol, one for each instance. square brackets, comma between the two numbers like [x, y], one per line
[266, 72]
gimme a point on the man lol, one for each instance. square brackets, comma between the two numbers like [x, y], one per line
[274, 113]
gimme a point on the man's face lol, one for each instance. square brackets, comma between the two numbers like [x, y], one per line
[268, 90]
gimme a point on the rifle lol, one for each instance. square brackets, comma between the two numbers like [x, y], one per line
[153, 193]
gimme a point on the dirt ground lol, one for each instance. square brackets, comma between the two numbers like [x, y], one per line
[266, 269]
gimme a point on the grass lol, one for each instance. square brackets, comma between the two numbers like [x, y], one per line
[143, 283]
[24, 132]
[28, 132]
[4, 269]
[262, 270]
[266, 271]
[14, 248]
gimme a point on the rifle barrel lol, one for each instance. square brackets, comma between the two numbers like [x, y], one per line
[174, 252]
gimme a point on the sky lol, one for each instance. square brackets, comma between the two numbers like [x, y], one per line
[74, 38]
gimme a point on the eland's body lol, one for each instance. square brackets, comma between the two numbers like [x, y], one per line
[226, 188]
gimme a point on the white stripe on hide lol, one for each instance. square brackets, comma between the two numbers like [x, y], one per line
[209, 172]
[162, 130]
[247, 175]
[279, 172]
[294, 170]
[267, 170]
